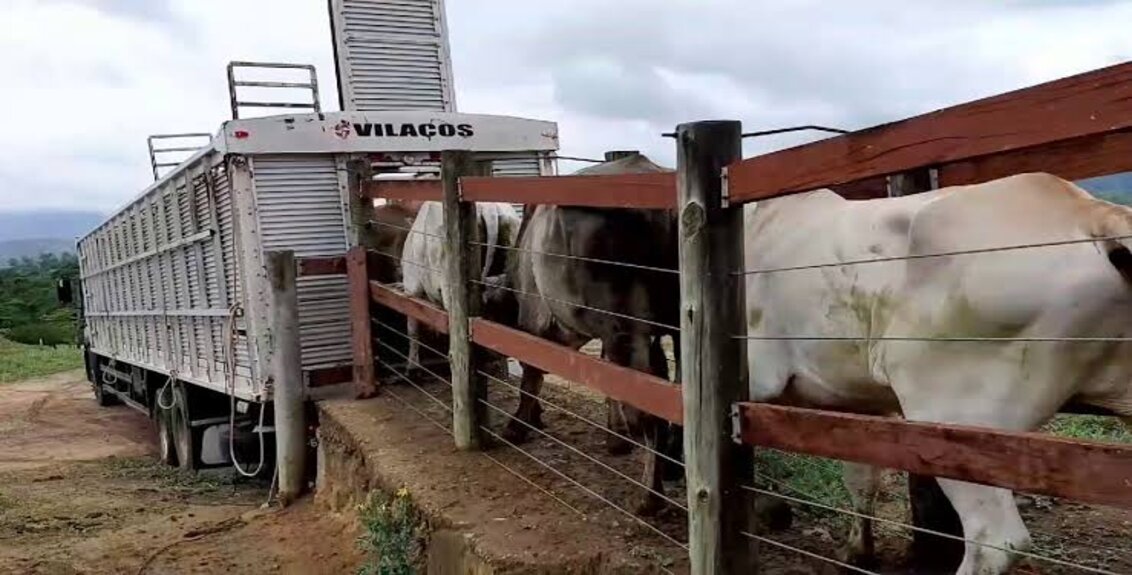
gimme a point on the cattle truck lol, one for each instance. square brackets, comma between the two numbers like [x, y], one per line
[174, 296]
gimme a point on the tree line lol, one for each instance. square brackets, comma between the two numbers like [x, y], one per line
[29, 308]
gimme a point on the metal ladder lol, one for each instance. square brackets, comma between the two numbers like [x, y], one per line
[154, 151]
[234, 85]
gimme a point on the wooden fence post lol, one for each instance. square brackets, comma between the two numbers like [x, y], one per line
[287, 373]
[464, 300]
[361, 342]
[712, 361]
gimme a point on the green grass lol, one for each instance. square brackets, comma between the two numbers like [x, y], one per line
[394, 535]
[20, 361]
[1097, 428]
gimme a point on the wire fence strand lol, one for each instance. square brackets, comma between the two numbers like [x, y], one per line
[407, 337]
[580, 306]
[489, 457]
[588, 457]
[581, 258]
[903, 525]
[582, 418]
[810, 554]
[410, 230]
[435, 399]
[587, 490]
[933, 255]
[404, 261]
[416, 363]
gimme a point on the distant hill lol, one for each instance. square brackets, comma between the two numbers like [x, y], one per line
[1116, 188]
[62, 224]
[16, 249]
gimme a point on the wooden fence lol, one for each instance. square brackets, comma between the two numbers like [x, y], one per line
[1076, 127]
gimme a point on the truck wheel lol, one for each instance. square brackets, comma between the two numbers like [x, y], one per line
[104, 399]
[165, 441]
[175, 436]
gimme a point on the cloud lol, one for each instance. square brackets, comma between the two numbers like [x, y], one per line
[614, 75]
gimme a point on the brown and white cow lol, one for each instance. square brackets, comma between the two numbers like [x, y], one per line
[1075, 290]
[546, 293]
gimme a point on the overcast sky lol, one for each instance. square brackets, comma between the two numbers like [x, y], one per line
[85, 81]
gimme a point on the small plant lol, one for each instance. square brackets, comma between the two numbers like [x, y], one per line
[394, 534]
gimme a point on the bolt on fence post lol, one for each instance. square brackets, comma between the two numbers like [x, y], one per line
[464, 299]
[712, 360]
[286, 371]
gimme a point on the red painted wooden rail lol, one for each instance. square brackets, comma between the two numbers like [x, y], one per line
[1087, 106]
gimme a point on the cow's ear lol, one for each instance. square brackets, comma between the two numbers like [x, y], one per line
[1121, 259]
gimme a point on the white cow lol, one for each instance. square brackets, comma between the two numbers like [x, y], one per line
[424, 258]
[1067, 291]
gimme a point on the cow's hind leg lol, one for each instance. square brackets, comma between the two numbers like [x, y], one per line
[413, 330]
[991, 524]
[529, 411]
[633, 350]
[862, 482]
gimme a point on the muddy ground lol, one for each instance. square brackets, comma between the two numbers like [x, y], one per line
[82, 492]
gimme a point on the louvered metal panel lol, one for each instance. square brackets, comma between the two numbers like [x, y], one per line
[518, 164]
[392, 55]
[300, 207]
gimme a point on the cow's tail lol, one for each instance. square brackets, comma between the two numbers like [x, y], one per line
[491, 223]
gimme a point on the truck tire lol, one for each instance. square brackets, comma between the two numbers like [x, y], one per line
[165, 442]
[174, 434]
[104, 399]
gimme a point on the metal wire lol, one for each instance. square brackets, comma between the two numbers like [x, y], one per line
[578, 159]
[588, 457]
[416, 363]
[437, 400]
[935, 255]
[410, 230]
[582, 418]
[808, 553]
[939, 339]
[582, 259]
[505, 467]
[581, 306]
[589, 491]
[406, 336]
[403, 261]
[928, 531]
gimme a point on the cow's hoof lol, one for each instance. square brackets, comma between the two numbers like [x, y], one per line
[773, 514]
[650, 505]
[516, 433]
[671, 471]
[615, 445]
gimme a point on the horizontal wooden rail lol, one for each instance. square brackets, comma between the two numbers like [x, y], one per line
[655, 190]
[1086, 104]
[418, 309]
[1084, 471]
[419, 190]
[1076, 159]
[324, 266]
[641, 390]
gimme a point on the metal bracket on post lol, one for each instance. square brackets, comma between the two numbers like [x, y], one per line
[736, 424]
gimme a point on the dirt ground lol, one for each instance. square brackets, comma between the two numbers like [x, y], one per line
[82, 492]
[1096, 537]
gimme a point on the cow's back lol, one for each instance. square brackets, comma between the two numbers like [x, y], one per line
[1066, 291]
[814, 229]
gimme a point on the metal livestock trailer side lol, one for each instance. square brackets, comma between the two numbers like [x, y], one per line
[175, 294]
